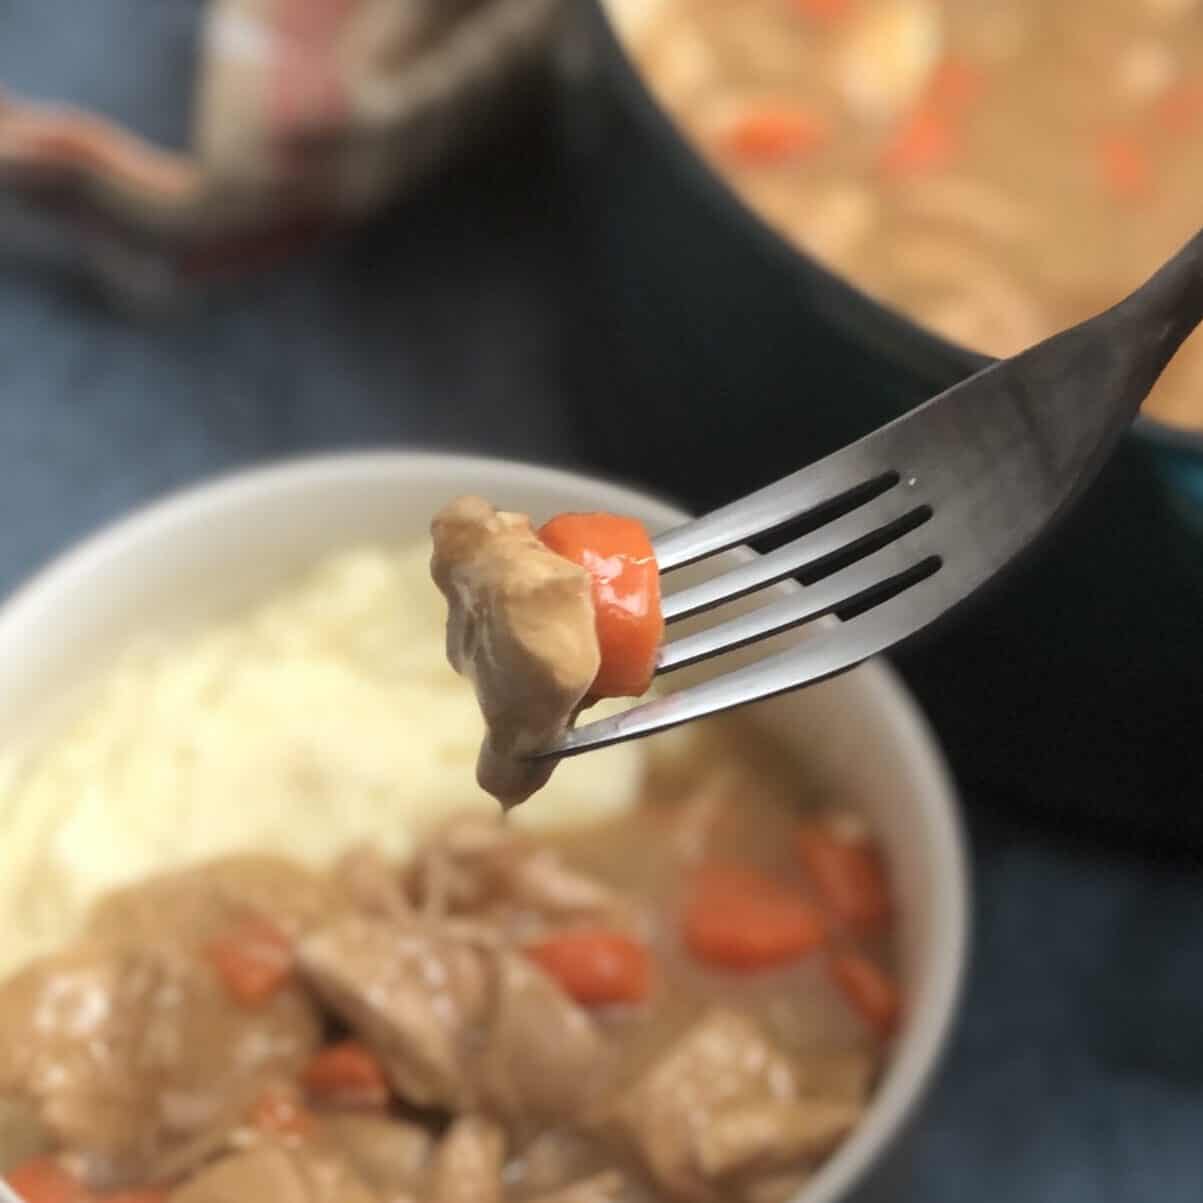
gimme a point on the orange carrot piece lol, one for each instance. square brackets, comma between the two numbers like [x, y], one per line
[346, 1075]
[279, 1113]
[595, 966]
[847, 872]
[774, 134]
[870, 991]
[926, 141]
[740, 919]
[828, 12]
[254, 961]
[1180, 110]
[1125, 168]
[626, 595]
[955, 84]
[43, 1180]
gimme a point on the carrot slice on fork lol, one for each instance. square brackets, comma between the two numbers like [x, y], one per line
[626, 595]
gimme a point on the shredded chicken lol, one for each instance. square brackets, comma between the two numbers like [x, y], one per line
[521, 627]
[372, 885]
[478, 866]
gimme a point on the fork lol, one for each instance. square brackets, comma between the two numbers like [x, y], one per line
[909, 521]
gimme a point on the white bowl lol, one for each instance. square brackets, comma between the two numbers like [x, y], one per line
[209, 550]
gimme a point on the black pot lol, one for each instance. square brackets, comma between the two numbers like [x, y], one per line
[721, 357]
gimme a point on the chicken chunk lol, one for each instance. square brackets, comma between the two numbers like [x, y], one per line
[194, 905]
[389, 1154]
[129, 1052]
[717, 1102]
[468, 1164]
[521, 627]
[457, 1020]
[543, 1056]
[409, 992]
[271, 1174]
[556, 1157]
[758, 1136]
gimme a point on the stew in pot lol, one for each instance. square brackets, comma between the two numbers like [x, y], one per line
[997, 169]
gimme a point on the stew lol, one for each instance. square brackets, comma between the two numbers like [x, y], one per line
[997, 169]
[691, 1001]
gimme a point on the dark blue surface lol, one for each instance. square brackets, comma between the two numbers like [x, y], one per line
[1077, 1073]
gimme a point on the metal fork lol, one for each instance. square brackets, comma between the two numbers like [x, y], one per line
[910, 520]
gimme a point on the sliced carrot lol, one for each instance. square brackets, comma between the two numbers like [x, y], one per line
[254, 961]
[626, 595]
[347, 1075]
[1125, 168]
[740, 919]
[828, 12]
[848, 874]
[280, 1113]
[870, 991]
[955, 84]
[43, 1180]
[926, 141]
[596, 966]
[774, 134]
[932, 135]
[1180, 110]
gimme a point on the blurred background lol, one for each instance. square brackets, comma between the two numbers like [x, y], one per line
[503, 242]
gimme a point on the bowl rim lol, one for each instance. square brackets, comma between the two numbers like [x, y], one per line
[888, 330]
[921, 1047]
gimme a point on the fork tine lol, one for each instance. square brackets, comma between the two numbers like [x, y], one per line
[889, 565]
[897, 507]
[814, 659]
[821, 484]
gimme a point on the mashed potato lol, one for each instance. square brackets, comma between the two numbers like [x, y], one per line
[326, 716]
